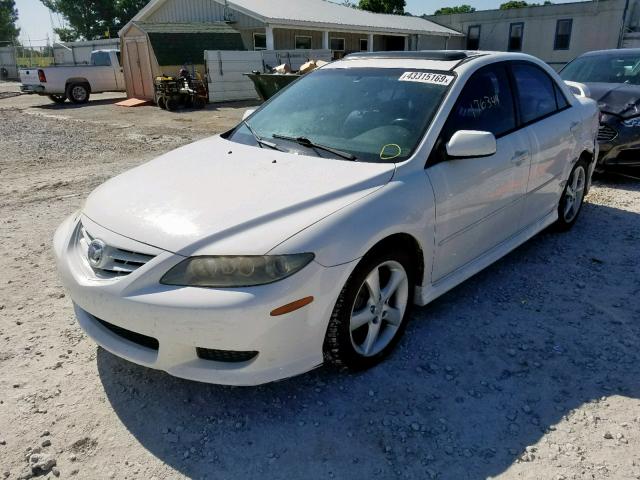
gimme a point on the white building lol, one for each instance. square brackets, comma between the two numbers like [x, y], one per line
[555, 33]
[167, 30]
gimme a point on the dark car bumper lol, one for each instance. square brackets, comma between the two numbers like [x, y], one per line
[619, 143]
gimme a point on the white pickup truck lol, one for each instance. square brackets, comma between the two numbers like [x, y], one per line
[76, 82]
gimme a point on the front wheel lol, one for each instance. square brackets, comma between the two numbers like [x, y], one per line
[572, 197]
[370, 314]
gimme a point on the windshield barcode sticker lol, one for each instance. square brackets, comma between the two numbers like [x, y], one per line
[426, 77]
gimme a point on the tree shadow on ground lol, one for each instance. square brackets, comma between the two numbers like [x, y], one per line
[482, 373]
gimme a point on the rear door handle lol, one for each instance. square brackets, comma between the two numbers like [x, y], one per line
[519, 157]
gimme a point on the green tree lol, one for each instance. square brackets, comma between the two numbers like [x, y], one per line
[8, 18]
[514, 4]
[458, 9]
[93, 19]
[383, 6]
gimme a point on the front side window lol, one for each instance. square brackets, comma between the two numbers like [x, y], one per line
[485, 104]
[536, 92]
[337, 44]
[516, 32]
[374, 114]
[563, 34]
[259, 41]
[303, 42]
[473, 37]
[611, 67]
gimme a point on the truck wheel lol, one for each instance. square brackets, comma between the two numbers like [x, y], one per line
[78, 93]
[59, 99]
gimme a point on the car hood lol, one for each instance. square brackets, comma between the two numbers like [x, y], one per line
[216, 197]
[616, 98]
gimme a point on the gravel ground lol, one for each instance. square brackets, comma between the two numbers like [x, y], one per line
[528, 370]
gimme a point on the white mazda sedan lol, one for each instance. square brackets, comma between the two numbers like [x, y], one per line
[305, 234]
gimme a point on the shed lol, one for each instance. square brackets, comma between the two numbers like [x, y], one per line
[273, 25]
[152, 49]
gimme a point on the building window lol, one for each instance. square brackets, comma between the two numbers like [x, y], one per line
[259, 41]
[364, 44]
[516, 31]
[337, 44]
[563, 34]
[473, 37]
[303, 42]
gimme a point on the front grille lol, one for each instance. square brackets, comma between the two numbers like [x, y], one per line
[606, 133]
[137, 338]
[117, 262]
[227, 356]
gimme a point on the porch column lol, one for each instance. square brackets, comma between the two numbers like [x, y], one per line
[270, 41]
[370, 43]
[406, 43]
[325, 40]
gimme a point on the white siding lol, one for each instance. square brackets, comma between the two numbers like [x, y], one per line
[186, 11]
[596, 26]
[225, 70]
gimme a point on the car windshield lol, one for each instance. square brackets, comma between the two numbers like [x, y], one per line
[613, 67]
[363, 114]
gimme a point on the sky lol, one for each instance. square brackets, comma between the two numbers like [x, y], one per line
[36, 23]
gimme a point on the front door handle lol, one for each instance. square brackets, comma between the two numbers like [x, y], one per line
[519, 157]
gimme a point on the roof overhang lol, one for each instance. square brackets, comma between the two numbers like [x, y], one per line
[339, 27]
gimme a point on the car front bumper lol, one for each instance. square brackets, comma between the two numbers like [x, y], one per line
[182, 319]
[619, 144]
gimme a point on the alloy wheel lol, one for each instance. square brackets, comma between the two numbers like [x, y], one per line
[79, 93]
[379, 308]
[574, 194]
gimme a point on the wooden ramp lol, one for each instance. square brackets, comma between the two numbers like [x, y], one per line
[133, 102]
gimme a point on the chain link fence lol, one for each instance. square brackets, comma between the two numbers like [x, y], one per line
[13, 57]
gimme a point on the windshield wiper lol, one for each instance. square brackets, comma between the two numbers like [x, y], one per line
[259, 140]
[305, 142]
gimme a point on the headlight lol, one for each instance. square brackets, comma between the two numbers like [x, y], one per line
[235, 271]
[632, 122]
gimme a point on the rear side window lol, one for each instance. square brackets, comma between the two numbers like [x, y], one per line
[536, 92]
[101, 59]
[485, 104]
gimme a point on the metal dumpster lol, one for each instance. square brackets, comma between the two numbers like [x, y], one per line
[268, 84]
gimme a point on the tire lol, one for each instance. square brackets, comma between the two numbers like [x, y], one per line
[162, 102]
[172, 103]
[572, 198]
[360, 332]
[199, 103]
[78, 93]
[59, 99]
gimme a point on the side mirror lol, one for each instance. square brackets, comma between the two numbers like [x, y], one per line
[471, 143]
[248, 112]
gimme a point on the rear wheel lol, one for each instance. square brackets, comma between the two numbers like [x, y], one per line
[78, 93]
[573, 196]
[59, 99]
[162, 102]
[370, 314]
[172, 103]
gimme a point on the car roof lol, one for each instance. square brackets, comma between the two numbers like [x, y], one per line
[442, 60]
[612, 50]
